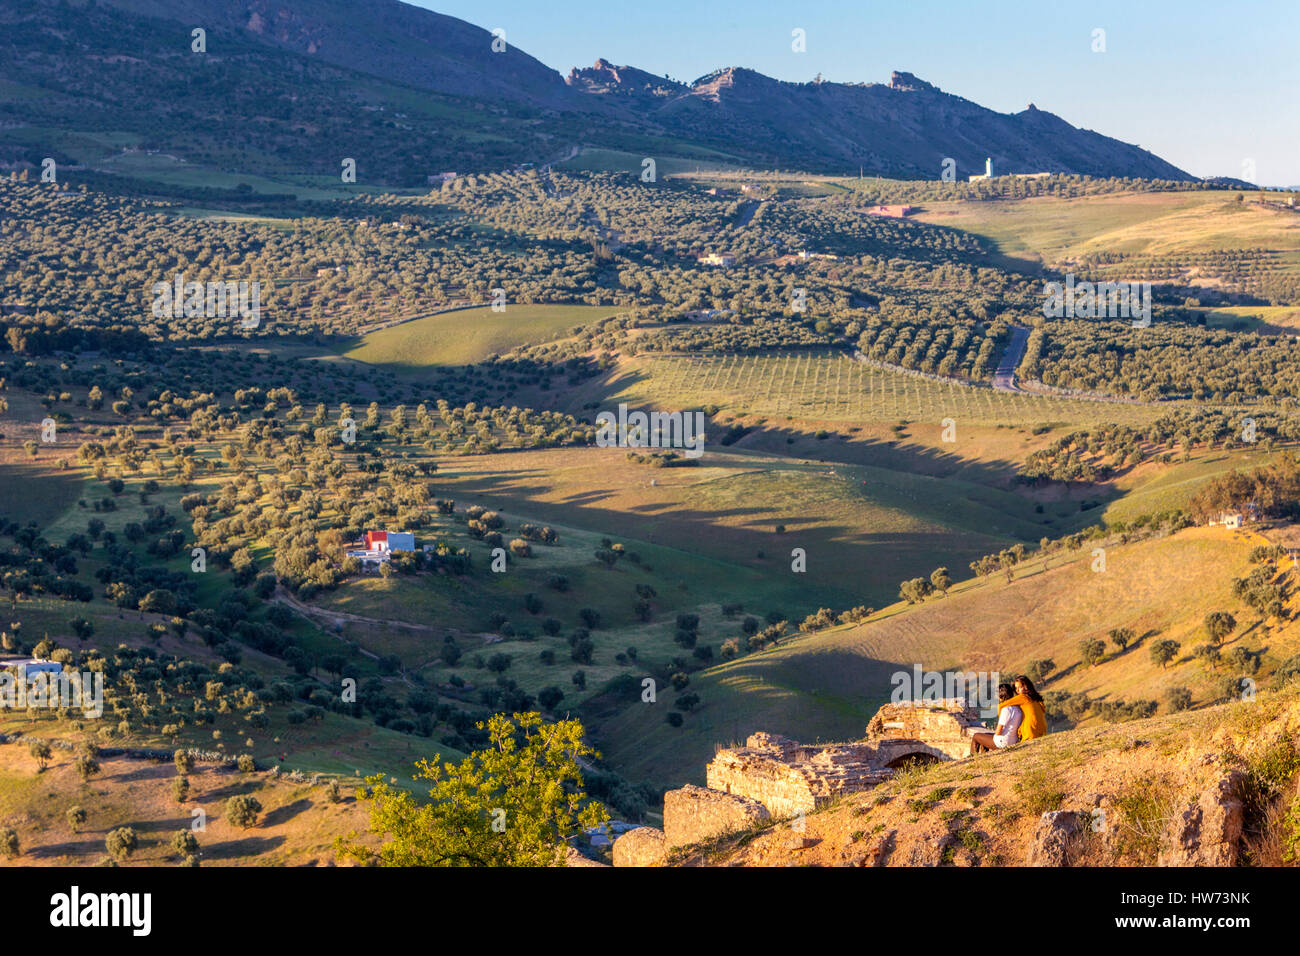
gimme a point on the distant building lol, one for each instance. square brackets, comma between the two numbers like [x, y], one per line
[33, 666]
[438, 179]
[724, 259]
[379, 546]
[988, 173]
[390, 541]
[1235, 519]
[988, 170]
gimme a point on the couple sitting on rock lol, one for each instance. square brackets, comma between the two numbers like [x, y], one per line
[1021, 716]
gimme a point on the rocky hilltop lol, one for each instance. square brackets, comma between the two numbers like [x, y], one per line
[1205, 788]
[904, 128]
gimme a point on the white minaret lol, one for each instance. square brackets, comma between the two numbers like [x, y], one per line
[988, 167]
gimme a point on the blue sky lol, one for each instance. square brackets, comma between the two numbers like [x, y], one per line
[1206, 85]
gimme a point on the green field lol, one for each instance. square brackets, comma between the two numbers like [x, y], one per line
[31, 493]
[470, 335]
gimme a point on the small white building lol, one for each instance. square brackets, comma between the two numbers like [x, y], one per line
[380, 546]
[33, 666]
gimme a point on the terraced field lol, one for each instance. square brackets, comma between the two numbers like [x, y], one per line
[831, 386]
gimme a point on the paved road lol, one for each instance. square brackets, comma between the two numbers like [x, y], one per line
[1004, 379]
[569, 154]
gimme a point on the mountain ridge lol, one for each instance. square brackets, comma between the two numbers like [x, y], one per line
[312, 64]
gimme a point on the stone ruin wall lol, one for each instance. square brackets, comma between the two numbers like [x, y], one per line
[939, 728]
[788, 778]
[773, 777]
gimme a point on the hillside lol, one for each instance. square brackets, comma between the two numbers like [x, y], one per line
[1182, 230]
[826, 685]
[896, 129]
[300, 819]
[1208, 788]
[411, 93]
[405, 44]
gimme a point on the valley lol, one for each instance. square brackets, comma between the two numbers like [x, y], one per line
[383, 524]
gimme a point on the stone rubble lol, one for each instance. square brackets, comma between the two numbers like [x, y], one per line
[774, 777]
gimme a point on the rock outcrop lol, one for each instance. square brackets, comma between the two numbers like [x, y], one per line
[1208, 832]
[644, 846]
[695, 814]
[775, 777]
[1053, 835]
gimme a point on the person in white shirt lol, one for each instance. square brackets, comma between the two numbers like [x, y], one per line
[1008, 729]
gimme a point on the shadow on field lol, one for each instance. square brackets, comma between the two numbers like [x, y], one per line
[225, 792]
[245, 846]
[286, 813]
[146, 772]
[861, 562]
[841, 446]
[67, 848]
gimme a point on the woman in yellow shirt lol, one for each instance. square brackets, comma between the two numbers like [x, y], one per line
[1031, 703]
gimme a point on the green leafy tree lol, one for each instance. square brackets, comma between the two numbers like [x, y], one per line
[1179, 698]
[41, 753]
[1209, 654]
[185, 843]
[1162, 652]
[242, 811]
[1092, 651]
[1038, 669]
[513, 803]
[1218, 625]
[121, 843]
[941, 580]
[76, 818]
[1122, 637]
[915, 590]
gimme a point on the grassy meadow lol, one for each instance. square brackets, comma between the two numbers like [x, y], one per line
[467, 336]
